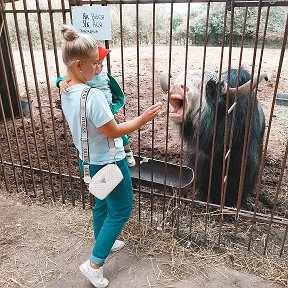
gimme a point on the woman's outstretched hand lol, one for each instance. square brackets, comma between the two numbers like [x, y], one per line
[152, 112]
[113, 130]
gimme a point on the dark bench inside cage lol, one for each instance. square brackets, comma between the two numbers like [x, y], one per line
[162, 174]
[282, 99]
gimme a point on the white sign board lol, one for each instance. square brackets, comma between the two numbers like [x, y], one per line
[93, 20]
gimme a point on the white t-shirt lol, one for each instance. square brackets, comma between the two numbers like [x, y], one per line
[98, 113]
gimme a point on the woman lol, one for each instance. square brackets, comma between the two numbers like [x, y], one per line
[80, 55]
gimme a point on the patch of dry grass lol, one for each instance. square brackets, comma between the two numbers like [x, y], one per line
[184, 259]
[28, 262]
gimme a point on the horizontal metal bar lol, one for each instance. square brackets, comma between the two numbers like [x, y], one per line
[9, 1]
[38, 170]
[21, 11]
[225, 210]
[127, 2]
[236, 2]
[264, 3]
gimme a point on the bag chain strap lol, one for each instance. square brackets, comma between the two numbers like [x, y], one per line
[84, 137]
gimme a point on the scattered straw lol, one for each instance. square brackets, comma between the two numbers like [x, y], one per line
[172, 258]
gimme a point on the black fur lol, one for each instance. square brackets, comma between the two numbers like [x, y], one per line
[206, 138]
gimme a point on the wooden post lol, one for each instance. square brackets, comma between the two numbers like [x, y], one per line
[7, 87]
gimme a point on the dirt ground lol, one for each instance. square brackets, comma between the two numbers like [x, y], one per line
[42, 242]
[43, 245]
[166, 142]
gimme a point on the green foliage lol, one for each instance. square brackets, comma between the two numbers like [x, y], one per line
[153, 18]
[177, 21]
[30, 23]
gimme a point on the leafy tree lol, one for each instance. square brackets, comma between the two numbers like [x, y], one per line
[177, 20]
[196, 30]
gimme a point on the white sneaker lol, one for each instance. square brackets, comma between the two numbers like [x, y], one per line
[95, 276]
[130, 159]
[118, 245]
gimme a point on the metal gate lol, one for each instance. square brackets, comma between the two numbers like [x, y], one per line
[37, 155]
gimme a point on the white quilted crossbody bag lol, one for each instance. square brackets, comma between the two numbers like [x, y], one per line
[108, 177]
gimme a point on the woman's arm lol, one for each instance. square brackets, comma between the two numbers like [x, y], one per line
[112, 130]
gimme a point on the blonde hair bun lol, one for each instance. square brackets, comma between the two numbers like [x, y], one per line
[69, 33]
[76, 46]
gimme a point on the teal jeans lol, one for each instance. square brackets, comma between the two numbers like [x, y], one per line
[126, 140]
[111, 214]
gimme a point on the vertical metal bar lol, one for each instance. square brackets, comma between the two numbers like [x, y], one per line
[53, 37]
[14, 126]
[3, 170]
[182, 124]
[92, 199]
[82, 190]
[283, 242]
[176, 198]
[276, 197]
[254, 102]
[68, 160]
[249, 110]
[200, 112]
[69, 165]
[122, 48]
[215, 118]
[51, 107]
[9, 142]
[224, 183]
[138, 95]
[269, 129]
[20, 107]
[167, 117]
[63, 10]
[38, 97]
[122, 43]
[234, 111]
[2, 108]
[240, 191]
[226, 155]
[9, 148]
[104, 3]
[16, 82]
[2, 20]
[71, 11]
[6, 35]
[82, 183]
[153, 101]
[50, 102]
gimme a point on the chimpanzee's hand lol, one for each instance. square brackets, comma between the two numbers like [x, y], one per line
[119, 117]
[64, 84]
